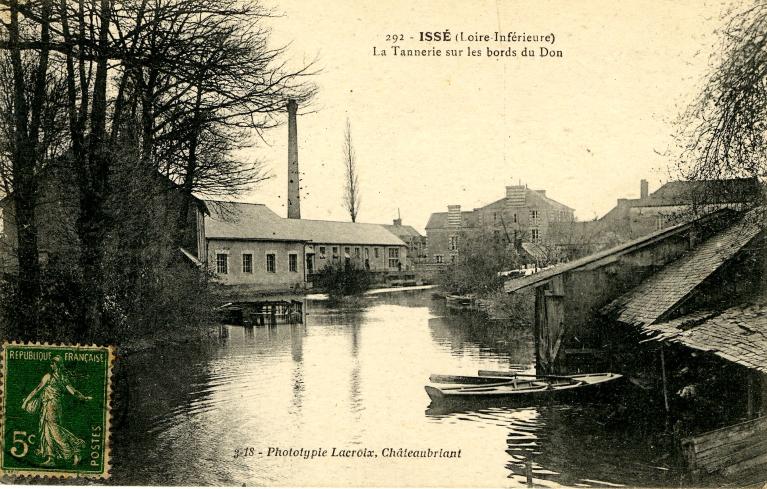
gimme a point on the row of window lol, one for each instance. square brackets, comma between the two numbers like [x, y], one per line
[347, 251]
[559, 215]
[222, 263]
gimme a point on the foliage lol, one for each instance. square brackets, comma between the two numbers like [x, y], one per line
[344, 279]
[722, 133]
[477, 265]
[518, 307]
[146, 101]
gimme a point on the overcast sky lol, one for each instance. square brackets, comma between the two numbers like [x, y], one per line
[429, 132]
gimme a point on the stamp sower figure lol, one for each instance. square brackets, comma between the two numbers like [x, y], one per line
[56, 442]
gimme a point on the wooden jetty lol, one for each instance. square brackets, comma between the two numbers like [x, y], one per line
[263, 311]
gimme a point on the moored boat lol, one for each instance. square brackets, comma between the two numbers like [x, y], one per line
[515, 386]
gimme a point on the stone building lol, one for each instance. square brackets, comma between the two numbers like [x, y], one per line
[523, 215]
[678, 201]
[415, 241]
[251, 247]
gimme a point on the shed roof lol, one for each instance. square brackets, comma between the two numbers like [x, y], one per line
[737, 334]
[237, 220]
[614, 252]
[661, 292]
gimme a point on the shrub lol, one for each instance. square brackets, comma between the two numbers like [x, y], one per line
[344, 279]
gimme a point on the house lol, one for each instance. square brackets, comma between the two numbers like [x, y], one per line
[677, 201]
[416, 242]
[251, 247]
[523, 215]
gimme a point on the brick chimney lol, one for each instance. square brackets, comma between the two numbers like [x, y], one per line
[294, 192]
[515, 195]
[643, 189]
[454, 216]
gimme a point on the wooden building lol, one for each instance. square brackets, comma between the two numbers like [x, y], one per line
[681, 311]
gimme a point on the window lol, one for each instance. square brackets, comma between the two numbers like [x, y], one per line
[271, 263]
[515, 217]
[293, 262]
[367, 253]
[335, 253]
[375, 252]
[347, 251]
[393, 257]
[439, 259]
[356, 252]
[322, 252]
[247, 263]
[533, 217]
[534, 235]
[453, 243]
[222, 263]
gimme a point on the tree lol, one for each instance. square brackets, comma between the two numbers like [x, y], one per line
[162, 92]
[722, 134]
[351, 181]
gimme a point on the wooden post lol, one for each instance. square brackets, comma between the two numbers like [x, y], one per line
[663, 374]
[529, 472]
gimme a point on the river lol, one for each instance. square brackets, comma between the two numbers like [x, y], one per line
[353, 380]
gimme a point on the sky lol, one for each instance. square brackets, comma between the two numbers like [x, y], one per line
[434, 131]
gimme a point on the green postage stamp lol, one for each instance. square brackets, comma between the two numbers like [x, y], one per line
[56, 410]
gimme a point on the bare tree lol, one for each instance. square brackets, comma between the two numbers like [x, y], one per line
[722, 134]
[157, 87]
[352, 196]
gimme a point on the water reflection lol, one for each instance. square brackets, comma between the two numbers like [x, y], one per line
[353, 378]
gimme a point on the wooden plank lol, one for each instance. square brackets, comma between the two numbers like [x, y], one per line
[738, 468]
[743, 453]
[727, 434]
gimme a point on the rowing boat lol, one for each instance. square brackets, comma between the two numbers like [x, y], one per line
[514, 386]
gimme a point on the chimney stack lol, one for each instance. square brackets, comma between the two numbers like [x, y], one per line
[398, 222]
[643, 189]
[294, 192]
[454, 216]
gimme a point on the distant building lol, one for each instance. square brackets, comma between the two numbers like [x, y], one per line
[415, 241]
[676, 202]
[523, 215]
[249, 245]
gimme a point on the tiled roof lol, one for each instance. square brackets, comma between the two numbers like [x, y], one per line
[237, 220]
[738, 334]
[702, 192]
[439, 220]
[400, 230]
[658, 294]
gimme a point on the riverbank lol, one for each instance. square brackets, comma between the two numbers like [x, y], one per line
[324, 297]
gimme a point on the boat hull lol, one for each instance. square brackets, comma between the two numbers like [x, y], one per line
[523, 390]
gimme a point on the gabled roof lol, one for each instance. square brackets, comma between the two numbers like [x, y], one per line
[661, 292]
[402, 230]
[608, 254]
[237, 220]
[439, 220]
[702, 192]
[737, 334]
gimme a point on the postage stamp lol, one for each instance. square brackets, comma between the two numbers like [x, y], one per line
[56, 410]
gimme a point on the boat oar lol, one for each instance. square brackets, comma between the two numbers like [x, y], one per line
[493, 373]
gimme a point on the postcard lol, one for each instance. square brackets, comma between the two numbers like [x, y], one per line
[281, 243]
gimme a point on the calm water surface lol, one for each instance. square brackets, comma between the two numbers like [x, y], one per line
[354, 379]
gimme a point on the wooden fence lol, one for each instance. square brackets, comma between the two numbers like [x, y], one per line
[728, 452]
